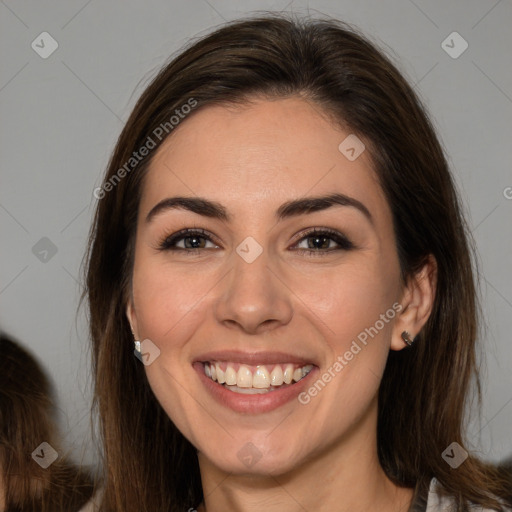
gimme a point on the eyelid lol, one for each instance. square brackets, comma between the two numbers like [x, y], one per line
[173, 238]
[341, 239]
[344, 243]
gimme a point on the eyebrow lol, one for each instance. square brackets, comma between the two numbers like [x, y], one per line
[292, 208]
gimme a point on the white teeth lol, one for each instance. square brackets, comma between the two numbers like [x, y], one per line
[288, 374]
[220, 374]
[261, 379]
[247, 391]
[276, 377]
[230, 376]
[244, 377]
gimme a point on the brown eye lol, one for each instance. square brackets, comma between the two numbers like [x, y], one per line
[187, 240]
[323, 241]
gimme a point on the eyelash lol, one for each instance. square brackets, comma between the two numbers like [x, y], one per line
[169, 243]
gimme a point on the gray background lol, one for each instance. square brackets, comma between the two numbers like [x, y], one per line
[60, 118]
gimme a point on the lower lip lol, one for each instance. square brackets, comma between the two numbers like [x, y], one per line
[257, 403]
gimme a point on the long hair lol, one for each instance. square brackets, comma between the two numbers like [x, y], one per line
[148, 464]
[26, 421]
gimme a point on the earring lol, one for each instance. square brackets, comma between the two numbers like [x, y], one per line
[407, 338]
[135, 342]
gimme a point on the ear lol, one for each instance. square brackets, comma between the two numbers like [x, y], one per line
[132, 317]
[417, 302]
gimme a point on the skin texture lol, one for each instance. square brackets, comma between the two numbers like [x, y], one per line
[251, 159]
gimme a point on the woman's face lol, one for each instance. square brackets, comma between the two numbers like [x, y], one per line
[270, 282]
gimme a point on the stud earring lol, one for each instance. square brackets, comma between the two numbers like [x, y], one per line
[135, 342]
[407, 338]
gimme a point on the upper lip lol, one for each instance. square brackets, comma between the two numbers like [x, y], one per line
[253, 358]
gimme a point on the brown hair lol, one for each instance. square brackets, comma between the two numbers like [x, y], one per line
[424, 390]
[26, 411]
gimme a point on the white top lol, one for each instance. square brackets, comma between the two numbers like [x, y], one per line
[438, 503]
[435, 502]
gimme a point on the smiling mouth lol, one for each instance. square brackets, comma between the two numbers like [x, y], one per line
[250, 379]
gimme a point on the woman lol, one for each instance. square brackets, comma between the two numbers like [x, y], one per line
[279, 238]
[34, 473]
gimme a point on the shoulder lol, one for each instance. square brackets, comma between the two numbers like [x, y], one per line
[439, 503]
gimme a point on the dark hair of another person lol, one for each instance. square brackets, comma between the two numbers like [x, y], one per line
[26, 420]
[425, 390]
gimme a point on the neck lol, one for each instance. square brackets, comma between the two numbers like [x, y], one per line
[346, 477]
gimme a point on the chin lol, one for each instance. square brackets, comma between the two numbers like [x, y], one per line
[260, 454]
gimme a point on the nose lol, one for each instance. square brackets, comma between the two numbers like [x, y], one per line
[253, 298]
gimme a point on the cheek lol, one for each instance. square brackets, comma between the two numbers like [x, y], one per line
[350, 299]
[167, 301]
[356, 316]
[169, 305]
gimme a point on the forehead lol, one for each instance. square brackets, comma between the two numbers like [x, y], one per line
[259, 155]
